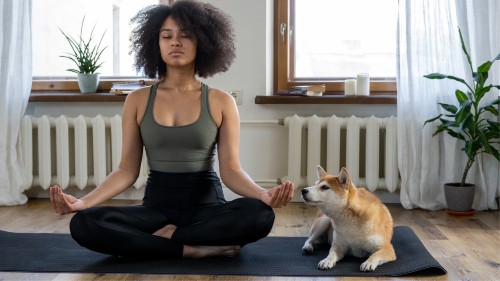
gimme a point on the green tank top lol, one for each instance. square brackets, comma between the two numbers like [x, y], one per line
[180, 149]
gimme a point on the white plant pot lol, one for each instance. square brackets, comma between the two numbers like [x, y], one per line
[88, 83]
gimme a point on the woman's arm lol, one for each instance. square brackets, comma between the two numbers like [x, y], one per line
[232, 174]
[118, 180]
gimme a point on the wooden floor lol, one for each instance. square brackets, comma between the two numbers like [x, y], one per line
[467, 247]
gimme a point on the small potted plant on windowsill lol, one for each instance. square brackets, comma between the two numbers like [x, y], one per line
[86, 55]
[467, 121]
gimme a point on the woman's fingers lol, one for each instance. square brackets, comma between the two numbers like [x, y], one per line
[52, 195]
[54, 198]
[287, 192]
[58, 201]
[278, 197]
[282, 195]
[65, 204]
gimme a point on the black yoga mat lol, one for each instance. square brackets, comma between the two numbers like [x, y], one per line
[271, 256]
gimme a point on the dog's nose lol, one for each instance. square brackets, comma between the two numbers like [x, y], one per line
[304, 191]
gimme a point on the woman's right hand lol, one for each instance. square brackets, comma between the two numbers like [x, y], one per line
[65, 203]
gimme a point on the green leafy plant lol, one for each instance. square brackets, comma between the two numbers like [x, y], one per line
[467, 121]
[85, 53]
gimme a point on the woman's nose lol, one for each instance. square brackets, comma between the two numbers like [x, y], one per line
[175, 41]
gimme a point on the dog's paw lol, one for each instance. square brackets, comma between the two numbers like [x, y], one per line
[326, 264]
[368, 266]
[307, 249]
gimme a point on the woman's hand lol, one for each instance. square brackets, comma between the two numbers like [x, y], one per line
[64, 203]
[278, 196]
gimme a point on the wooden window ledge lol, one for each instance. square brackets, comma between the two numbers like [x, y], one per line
[67, 90]
[328, 99]
[74, 96]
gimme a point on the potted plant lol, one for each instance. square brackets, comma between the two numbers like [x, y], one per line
[86, 55]
[468, 122]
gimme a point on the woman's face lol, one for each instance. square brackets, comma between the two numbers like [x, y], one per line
[177, 46]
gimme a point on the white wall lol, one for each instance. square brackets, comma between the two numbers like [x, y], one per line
[263, 148]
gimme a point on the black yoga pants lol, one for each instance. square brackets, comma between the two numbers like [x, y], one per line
[127, 230]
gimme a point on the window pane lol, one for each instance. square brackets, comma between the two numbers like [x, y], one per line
[110, 16]
[339, 38]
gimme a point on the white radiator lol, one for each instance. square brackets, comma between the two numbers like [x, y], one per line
[82, 151]
[367, 147]
[78, 151]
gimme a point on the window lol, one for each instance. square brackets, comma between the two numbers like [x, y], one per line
[109, 16]
[328, 41]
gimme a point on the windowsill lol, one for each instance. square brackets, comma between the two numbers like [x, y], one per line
[328, 99]
[67, 90]
[74, 96]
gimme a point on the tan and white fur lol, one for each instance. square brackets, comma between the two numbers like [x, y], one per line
[362, 225]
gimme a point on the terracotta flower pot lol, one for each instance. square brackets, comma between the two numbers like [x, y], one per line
[459, 198]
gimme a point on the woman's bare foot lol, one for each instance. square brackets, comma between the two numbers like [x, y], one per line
[166, 231]
[198, 251]
[210, 251]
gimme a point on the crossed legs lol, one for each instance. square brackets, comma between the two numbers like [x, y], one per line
[148, 232]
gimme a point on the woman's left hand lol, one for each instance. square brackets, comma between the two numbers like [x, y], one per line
[278, 196]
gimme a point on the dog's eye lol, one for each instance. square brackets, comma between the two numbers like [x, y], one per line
[325, 187]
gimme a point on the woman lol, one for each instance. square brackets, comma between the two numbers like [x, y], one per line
[182, 123]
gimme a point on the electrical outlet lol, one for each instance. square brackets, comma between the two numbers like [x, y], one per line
[237, 95]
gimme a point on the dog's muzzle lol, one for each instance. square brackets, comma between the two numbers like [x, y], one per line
[304, 193]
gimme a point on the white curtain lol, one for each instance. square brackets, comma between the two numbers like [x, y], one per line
[15, 87]
[428, 41]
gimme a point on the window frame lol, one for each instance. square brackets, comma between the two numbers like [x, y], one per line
[283, 59]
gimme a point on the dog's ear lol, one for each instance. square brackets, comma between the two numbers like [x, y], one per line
[321, 172]
[344, 178]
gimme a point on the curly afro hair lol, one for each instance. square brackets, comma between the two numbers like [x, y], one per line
[212, 28]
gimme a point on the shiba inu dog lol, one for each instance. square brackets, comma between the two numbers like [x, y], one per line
[362, 225]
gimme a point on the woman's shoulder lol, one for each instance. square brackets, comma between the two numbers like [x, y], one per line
[222, 104]
[137, 100]
[219, 95]
[139, 94]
